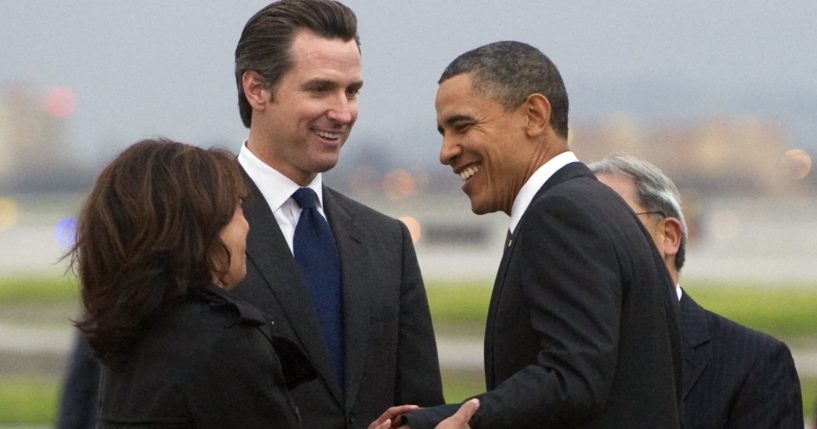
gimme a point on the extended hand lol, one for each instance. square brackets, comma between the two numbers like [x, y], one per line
[458, 420]
[392, 417]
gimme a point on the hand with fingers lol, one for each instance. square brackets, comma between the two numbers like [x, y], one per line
[458, 420]
[392, 417]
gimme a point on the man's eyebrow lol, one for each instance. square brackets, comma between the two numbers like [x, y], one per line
[313, 83]
[451, 120]
[331, 83]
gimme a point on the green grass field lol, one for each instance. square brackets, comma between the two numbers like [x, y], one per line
[787, 312]
[28, 289]
[25, 400]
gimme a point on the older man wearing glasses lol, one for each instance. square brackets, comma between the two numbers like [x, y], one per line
[733, 376]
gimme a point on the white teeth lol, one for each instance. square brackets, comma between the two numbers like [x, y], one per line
[468, 172]
[327, 135]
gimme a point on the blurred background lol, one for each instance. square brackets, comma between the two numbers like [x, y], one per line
[721, 95]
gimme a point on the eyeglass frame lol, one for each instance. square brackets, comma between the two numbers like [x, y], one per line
[651, 212]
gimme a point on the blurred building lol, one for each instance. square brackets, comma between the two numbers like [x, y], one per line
[719, 155]
[33, 153]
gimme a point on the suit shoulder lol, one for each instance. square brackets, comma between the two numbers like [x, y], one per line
[583, 191]
[742, 338]
[583, 198]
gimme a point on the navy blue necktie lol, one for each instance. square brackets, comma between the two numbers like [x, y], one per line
[317, 256]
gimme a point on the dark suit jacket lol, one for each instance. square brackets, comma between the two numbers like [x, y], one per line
[80, 388]
[581, 329]
[735, 377]
[209, 362]
[391, 354]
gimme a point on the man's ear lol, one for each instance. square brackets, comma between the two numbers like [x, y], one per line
[671, 236]
[255, 89]
[537, 111]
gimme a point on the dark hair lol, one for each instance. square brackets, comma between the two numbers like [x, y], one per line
[148, 234]
[508, 72]
[267, 36]
[654, 190]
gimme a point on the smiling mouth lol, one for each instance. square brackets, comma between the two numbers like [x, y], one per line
[328, 135]
[468, 172]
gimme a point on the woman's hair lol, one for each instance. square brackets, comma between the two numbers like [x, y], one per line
[149, 233]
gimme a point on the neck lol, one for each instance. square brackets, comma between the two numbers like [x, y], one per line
[674, 274]
[263, 147]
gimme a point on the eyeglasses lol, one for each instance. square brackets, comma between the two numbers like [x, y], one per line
[658, 212]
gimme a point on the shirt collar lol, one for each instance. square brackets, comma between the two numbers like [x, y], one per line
[274, 186]
[535, 182]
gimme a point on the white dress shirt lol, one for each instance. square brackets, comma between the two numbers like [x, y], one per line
[535, 182]
[277, 190]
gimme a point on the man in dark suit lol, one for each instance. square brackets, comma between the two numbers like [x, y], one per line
[581, 327]
[734, 377]
[365, 324]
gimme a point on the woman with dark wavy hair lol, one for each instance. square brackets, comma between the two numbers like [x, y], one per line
[160, 241]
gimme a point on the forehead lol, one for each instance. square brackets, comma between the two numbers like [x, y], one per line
[623, 185]
[456, 97]
[316, 56]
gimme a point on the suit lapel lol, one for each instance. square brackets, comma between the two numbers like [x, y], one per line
[696, 342]
[268, 251]
[356, 311]
[568, 171]
[493, 308]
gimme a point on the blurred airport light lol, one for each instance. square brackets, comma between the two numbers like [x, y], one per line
[796, 164]
[65, 233]
[9, 212]
[399, 184]
[413, 226]
[60, 102]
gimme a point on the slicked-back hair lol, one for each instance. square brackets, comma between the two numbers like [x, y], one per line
[148, 233]
[508, 72]
[654, 191]
[265, 42]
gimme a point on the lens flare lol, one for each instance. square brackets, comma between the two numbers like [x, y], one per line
[65, 233]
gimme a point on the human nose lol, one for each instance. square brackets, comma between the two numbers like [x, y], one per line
[343, 110]
[449, 150]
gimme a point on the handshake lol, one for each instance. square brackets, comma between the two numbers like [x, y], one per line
[393, 417]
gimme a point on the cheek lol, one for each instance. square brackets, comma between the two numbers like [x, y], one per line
[244, 238]
[239, 235]
[310, 111]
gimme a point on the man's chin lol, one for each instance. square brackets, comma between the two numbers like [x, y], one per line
[325, 164]
[480, 209]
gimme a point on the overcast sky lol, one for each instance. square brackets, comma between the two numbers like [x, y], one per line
[158, 67]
